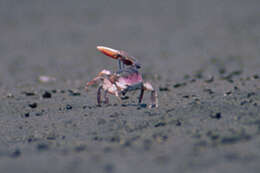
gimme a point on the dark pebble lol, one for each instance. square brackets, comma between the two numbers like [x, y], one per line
[179, 85]
[73, 93]
[26, 115]
[42, 147]
[16, 153]
[115, 139]
[178, 123]
[256, 76]
[31, 139]
[250, 94]
[142, 105]
[33, 105]
[68, 107]
[163, 89]
[29, 93]
[97, 138]
[243, 102]
[84, 107]
[160, 124]
[46, 95]
[39, 113]
[186, 96]
[54, 91]
[228, 93]
[235, 139]
[216, 115]
[209, 91]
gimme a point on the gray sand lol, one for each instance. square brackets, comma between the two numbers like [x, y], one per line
[201, 56]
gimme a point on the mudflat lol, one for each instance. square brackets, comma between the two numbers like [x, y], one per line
[202, 57]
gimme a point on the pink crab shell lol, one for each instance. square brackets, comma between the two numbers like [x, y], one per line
[133, 79]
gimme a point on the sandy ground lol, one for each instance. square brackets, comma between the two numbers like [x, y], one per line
[201, 56]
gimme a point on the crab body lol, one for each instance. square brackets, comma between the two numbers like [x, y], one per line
[124, 80]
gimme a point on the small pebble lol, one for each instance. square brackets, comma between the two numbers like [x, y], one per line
[228, 93]
[163, 89]
[29, 93]
[178, 123]
[68, 107]
[46, 95]
[208, 91]
[74, 93]
[33, 105]
[179, 85]
[216, 115]
[160, 124]
[250, 94]
[26, 115]
[243, 102]
[256, 76]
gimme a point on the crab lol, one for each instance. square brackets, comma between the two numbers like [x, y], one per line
[126, 79]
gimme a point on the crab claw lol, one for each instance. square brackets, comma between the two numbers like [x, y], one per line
[109, 51]
[120, 55]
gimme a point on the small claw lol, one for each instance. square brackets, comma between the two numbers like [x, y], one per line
[109, 51]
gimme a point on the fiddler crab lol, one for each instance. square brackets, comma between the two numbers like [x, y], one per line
[127, 78]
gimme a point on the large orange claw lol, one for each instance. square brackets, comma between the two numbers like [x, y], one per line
[109, 52]
[116, 54]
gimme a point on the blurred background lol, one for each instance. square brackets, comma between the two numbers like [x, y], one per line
[171, 38]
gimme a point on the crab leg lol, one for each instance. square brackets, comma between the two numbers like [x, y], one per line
[106, 97]
[99, 95]
[99, 76]
[141, 95]
[154, 96]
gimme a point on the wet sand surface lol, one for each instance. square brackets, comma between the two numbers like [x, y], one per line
[202, 58]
